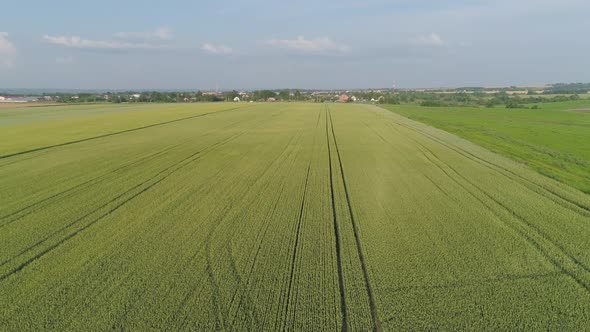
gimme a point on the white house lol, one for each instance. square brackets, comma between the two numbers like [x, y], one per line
[2, 98]
[237, 99]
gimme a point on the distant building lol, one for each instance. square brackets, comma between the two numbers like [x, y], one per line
[343, 98]
[136, 96]
[271, 100]
[354, 98]
[518, 92]
[2, 98]
[237, 99]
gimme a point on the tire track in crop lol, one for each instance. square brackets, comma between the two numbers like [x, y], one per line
[73, 190]
[523, 223]
[487, 164]
[221, 313]
[199, 154]
[194, 286]
[47, 250]
[376, 325]
[259, 247]
[336, 235]
[116, 133]
[214, 227]
[437, 186]
[82, 185]
[193, 289]
[548, 193]
[265, 231]
[32, 246]
[298, 230]
[456, 286]
[218, 307]
[528, 224]
[18, 160]
[107, 204]
[459, 285]
[295, 247]
[218, 322]
[317, 123]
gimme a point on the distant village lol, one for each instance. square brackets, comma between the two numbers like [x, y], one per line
[429, 97]
[366, 96]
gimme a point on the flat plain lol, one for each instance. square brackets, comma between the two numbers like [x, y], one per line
[279, 216]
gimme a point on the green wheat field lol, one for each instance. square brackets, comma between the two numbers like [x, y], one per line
[281, 216]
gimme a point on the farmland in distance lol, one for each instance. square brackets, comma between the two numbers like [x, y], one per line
[277, 217]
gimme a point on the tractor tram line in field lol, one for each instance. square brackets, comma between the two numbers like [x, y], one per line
[196, 283]
[376, 326]
[336, 234]
[546, 192]
[114, 134]
[223, 320]
[99, 218]
[524, 233]
[157, 178]
[559, 198]
[527, 231]
[72, 190]
[207, 249]
[277, 161]
[529, 226]
[298, 229]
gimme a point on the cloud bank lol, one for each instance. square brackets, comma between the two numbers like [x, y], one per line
[81, 43]
[431, 40]
[7, 51]
[216, 49]
[317, 46]
[161, 33]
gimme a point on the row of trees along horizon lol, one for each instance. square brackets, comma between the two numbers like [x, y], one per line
[475, 98]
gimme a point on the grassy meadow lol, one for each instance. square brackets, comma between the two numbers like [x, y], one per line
[287, 216]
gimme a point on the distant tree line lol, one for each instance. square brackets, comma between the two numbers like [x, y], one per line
[569, 88]
[511, 97]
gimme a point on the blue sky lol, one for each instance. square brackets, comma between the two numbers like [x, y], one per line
[292, 44]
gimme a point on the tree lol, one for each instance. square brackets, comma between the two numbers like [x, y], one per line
[513, 104]
[285, 95]
[230, 95]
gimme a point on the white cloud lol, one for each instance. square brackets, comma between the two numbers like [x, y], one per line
[80, 43]
[7, 51]
[317, 46]
[65, 60]
[432, 40]
[161, 33]
[217, 49]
